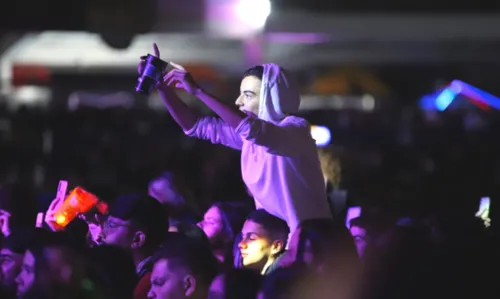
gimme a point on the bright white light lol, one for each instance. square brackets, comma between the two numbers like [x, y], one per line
[368, 102]
[253, 13]
[26, 95]
[321, 135]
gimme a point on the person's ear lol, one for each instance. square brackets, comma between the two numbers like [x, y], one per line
[189, 285]
[139, 240]
[277, 246]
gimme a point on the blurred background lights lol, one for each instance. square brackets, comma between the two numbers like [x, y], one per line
[253, 13]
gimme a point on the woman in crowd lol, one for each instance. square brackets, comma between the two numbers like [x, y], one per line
[221, 223]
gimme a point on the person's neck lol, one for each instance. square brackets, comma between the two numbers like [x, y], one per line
[268, 264]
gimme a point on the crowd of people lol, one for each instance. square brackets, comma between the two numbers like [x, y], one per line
[298, 238]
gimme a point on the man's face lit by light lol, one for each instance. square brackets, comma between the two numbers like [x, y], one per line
[256, 247]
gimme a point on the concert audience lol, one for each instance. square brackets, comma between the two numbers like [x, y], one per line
[154, 245]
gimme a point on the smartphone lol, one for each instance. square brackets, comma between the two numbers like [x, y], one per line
[39, 219]
[61, 189]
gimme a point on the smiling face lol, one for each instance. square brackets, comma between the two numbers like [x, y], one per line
[249, 99]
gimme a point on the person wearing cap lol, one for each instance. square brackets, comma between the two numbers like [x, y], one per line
[138, 223]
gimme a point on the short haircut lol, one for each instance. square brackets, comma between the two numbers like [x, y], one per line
[274, 226]
[145, 213]
[183, 251]
[256, 71]
[19, 240]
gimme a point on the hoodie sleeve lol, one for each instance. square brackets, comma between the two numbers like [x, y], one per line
[216, 131]
[289, 138]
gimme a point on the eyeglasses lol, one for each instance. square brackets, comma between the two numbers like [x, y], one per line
[112, 225]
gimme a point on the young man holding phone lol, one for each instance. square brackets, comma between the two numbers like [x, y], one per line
[279, 159]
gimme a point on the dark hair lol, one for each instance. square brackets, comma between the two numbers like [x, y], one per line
[182, 251]
[18, 240]
[46, 284]
[145, 213]
[256, 71]
[274, 226]
[193, 232]
[233, 218]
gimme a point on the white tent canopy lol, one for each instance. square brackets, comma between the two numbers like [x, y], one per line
[295, 40]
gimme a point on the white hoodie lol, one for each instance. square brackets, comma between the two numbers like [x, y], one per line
[279, 159]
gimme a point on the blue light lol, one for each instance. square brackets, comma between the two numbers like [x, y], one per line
[444, 100]
[428, 102]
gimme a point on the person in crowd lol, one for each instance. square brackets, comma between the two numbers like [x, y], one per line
[279, 159]
[221, 223]
[137, 223]
[169, 191]
[51, 267]
[194, 232]
[182, 269]
[263, 240]
[236, 284]
[11, 260]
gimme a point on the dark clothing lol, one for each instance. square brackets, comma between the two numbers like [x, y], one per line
[337, 199]
[274, 265]
[144, 272]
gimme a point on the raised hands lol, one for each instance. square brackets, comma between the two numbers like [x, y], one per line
[177, 77]
[180, 78]
[50, 218]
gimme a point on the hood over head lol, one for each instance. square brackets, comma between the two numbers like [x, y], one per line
[279, 94]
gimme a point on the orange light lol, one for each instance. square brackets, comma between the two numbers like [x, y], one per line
[61, 220]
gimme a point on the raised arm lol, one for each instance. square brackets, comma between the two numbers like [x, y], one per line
[180, 78]
[208, 128]
[192, 124]
[288, 138]
[184, 116]
[291, 137]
